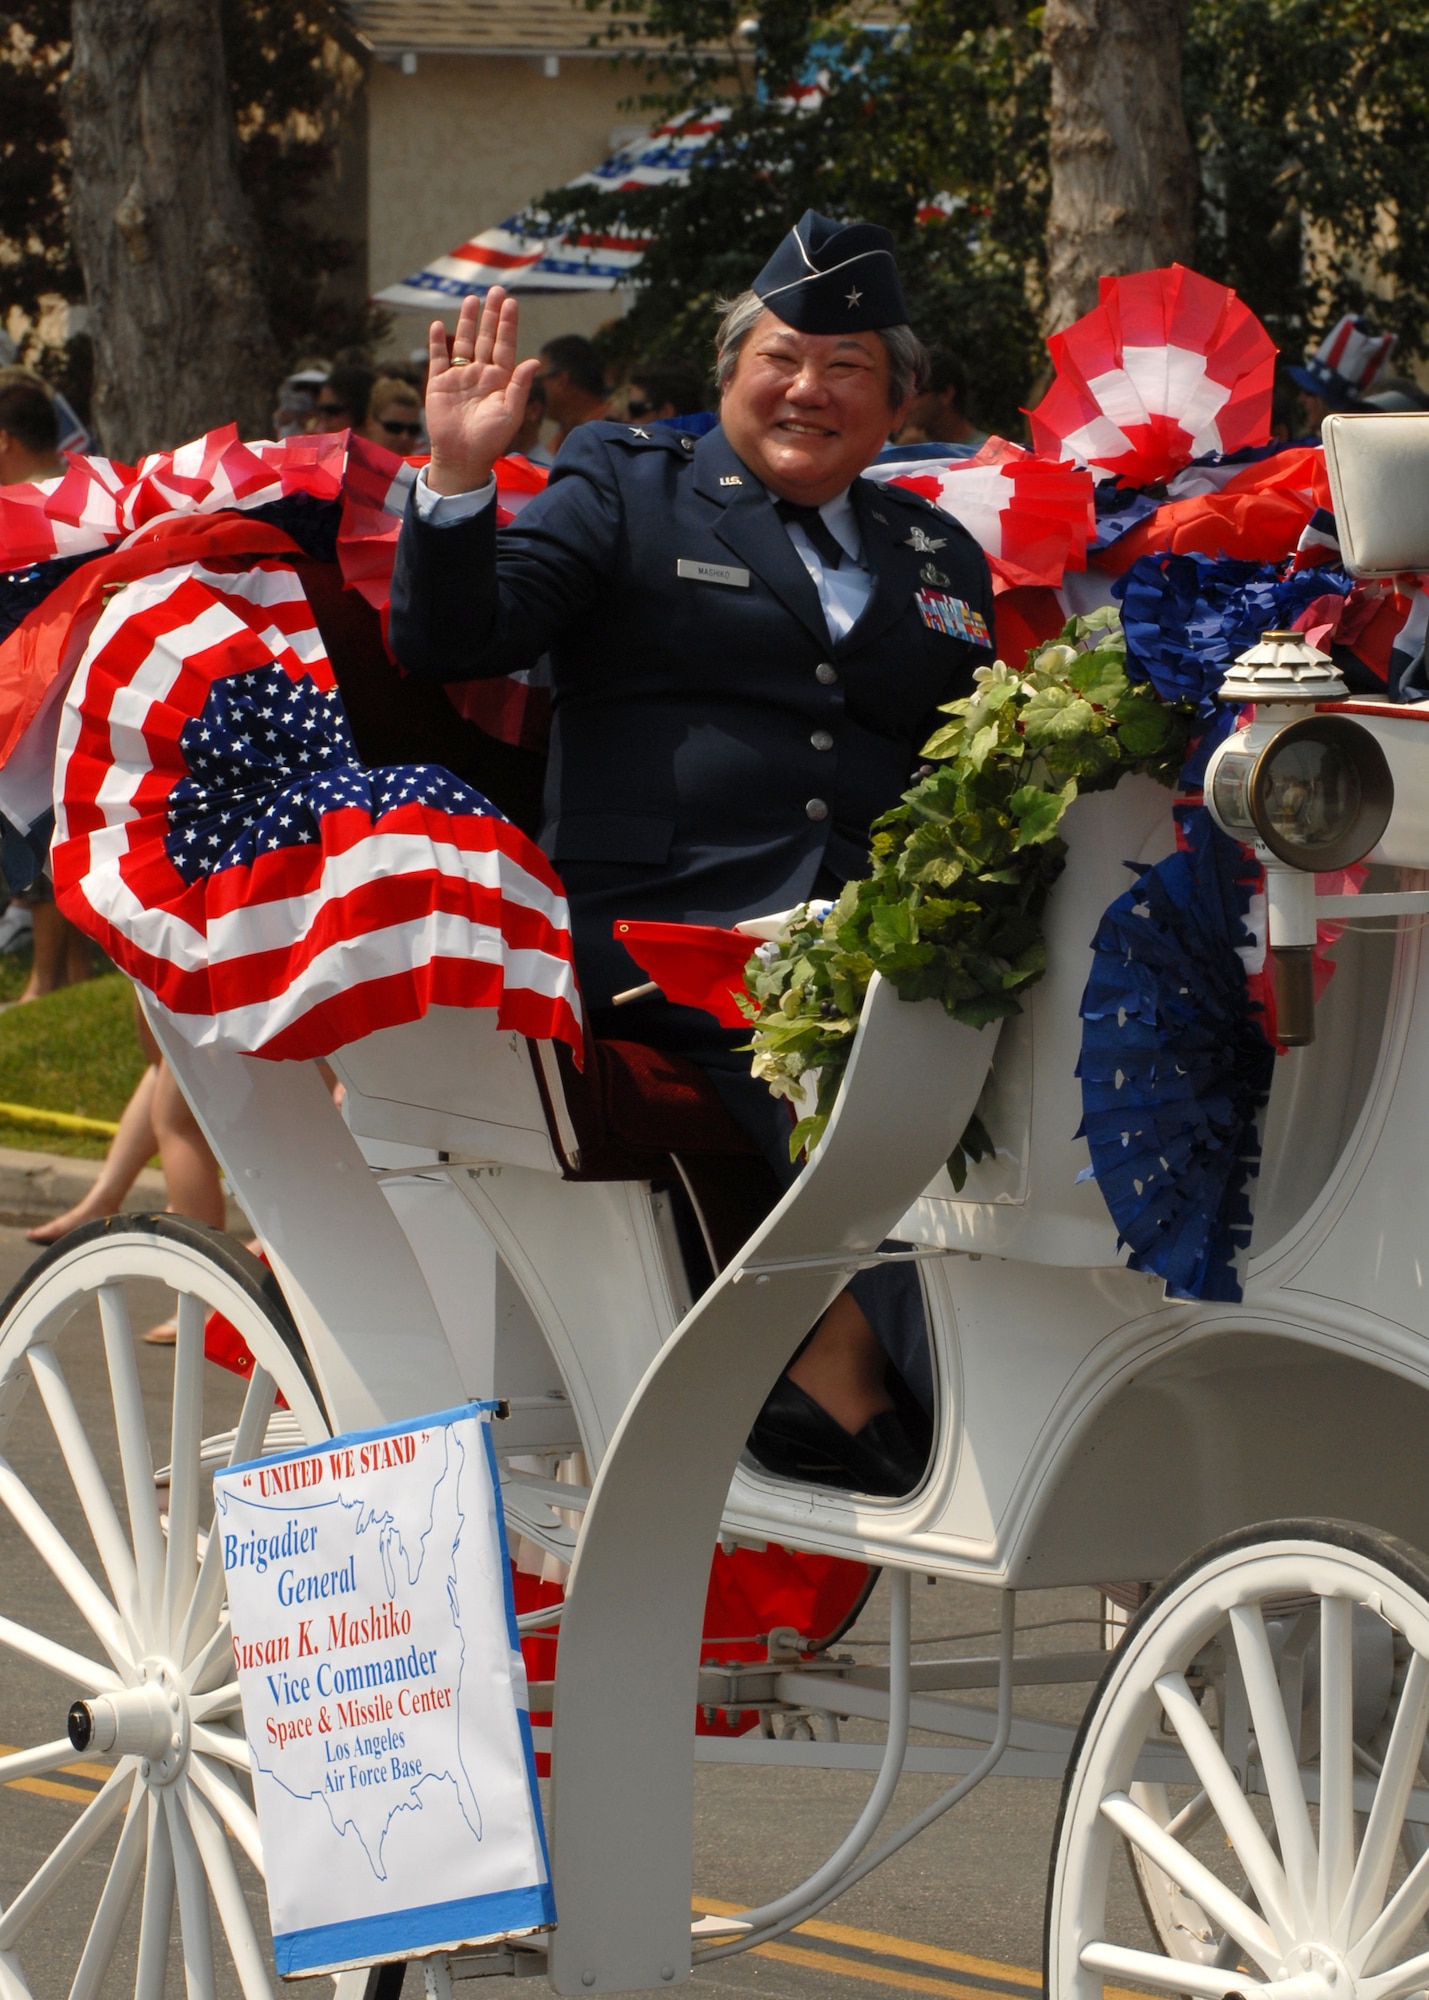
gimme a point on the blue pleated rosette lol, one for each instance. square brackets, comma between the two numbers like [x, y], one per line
[1175, 1064]
[1186, 617]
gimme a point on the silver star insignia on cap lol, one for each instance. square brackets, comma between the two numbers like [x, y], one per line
[853, 298]
[923, 544]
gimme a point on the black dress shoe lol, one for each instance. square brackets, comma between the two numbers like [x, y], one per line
[794, 1438]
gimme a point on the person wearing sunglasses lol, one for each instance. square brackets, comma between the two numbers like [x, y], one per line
[342, 401]
[394, 416]
[660, 390]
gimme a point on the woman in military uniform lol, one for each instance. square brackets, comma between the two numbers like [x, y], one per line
[749, 644]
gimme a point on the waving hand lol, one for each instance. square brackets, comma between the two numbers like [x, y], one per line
[476, 393]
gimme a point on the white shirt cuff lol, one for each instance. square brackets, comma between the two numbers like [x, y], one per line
[444, 510]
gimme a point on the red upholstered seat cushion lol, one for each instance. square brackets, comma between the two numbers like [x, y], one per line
[636, 1110]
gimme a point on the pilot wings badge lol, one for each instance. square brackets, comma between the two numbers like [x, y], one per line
[924, 544]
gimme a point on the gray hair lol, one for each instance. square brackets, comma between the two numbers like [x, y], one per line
[907, 356]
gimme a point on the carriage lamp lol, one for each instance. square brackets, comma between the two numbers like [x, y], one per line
[1307, 792]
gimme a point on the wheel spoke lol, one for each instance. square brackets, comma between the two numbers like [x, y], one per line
[214, 1664]
[1337, 1765]
[1168, 1975]
[157, 1910]
[34, 1763]
[1221, 1905]
[1410, 1977]
[218, 1701]
[1386, 1815]
[1233, 1809]
[193, 1902]
[224, 1745]
[1279, 1759]
[207, 1599]
[114, 1901]
[1389, 1932]
[61, 1660]
[229, 1897]
[134, 1454]
[89, 1483]
[64, 1565]
[63, 1859]
[186, 1440]
[221, 1791]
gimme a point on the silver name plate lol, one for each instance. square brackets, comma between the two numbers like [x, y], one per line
[703, 572]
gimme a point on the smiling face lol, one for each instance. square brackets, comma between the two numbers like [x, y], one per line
[808, 411]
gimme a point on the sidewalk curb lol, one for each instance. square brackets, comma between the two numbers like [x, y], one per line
[36, 1186]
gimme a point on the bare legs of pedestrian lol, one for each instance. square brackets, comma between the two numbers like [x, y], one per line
[63, 955]
[132, 1145]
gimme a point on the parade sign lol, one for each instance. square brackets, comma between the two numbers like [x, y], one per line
[384, 1696]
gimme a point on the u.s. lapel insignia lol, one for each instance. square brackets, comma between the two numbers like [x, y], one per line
[730, 479]
[924, 544]
[929, 574]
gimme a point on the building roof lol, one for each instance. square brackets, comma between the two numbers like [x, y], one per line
[390, 28]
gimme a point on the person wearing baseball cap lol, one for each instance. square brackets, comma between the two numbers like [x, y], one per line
[749, 645]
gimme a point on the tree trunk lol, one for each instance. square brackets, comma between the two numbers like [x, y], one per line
[164, 233]
[1123, 168]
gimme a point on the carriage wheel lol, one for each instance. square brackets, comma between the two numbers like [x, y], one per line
[1288, 1667]
[114, 1643]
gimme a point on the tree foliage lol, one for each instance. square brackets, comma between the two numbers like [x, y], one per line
[1307, 116]
[952, 102]
[288, 102]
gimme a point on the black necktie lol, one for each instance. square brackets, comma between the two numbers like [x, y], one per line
[821, 538]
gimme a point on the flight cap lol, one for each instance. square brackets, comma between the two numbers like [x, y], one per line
[833, 277]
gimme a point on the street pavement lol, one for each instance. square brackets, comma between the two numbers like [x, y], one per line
[958, 1913]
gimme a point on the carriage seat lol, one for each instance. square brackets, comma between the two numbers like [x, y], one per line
[633, 1113]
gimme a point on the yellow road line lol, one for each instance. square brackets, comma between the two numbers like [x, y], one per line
[888, 1946]
[50, 1788]
[56, 1121]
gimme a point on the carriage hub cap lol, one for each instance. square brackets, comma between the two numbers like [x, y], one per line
[149, 1720]
[1313, 1967]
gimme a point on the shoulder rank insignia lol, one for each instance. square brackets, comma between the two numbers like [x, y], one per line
[924, 544]
[636, 432]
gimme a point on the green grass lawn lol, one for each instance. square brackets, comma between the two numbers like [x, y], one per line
[75, 1050]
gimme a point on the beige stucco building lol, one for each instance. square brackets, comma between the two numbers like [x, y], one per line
[472, 108]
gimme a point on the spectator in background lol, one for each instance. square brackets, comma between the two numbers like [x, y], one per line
[1397, 392]
[341, 402]
[293, 411]
[528, 439]
[29, 451]
[394, 415]
[572, 381]
[29, 430]
[662, 389]
[938, 414]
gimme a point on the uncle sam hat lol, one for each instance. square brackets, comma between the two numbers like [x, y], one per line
[1346, 362]
[833, 277]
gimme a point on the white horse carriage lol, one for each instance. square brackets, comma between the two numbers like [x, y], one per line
[1247, 1467]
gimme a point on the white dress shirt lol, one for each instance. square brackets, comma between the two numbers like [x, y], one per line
[843, 592]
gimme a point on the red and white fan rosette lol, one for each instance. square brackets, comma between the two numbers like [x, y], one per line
[1167, 367]
[1033, 517]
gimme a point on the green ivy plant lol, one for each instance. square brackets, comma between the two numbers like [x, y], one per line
[952, 910]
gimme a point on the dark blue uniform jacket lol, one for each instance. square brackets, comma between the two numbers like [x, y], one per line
[714, 755]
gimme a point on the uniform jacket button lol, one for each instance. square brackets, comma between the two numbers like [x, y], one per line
[825, 674]
[822, 740]
[816, 809]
